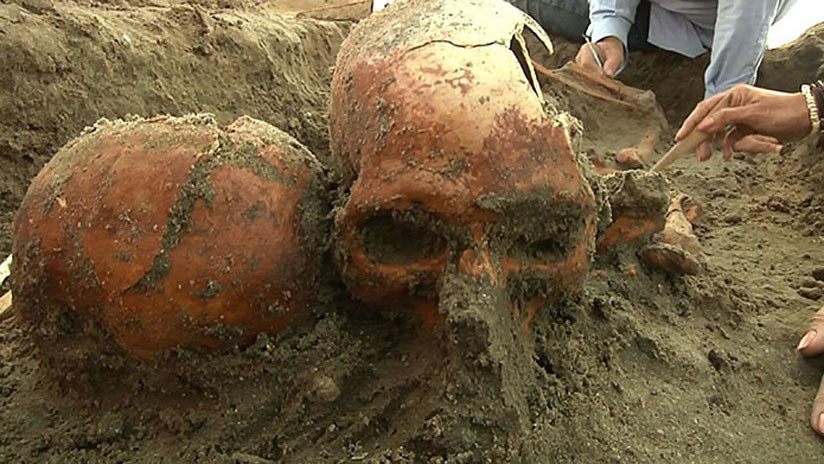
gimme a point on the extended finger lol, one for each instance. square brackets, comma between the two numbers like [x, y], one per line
[757, 143]
[698, 114]
[722, 117]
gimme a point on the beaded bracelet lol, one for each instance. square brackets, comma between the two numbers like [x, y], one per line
[818, 92]
[812, 107]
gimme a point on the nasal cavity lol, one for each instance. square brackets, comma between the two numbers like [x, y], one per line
[477, 264]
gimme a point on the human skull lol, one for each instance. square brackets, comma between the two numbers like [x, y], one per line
[438, 125]
[169, 232]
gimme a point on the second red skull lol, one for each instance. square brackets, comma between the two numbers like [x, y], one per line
[452, 163]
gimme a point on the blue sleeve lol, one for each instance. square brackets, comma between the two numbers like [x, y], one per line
[612, 18]
[738, 43]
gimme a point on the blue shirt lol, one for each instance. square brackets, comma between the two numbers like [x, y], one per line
[734, 30]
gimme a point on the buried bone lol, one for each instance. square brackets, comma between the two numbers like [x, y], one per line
[168, 232]
[452, 163]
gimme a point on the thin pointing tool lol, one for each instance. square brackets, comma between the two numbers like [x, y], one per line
[594, 51]
[689, 143]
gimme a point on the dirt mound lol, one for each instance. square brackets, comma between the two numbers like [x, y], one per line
[798, 62]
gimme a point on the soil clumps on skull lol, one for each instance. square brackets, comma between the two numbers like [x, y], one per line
[640, 366]
[641, 192]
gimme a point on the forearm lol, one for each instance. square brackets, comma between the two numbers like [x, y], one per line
[739, 41]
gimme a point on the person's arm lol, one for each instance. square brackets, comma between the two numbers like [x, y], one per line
[738, 44]
[610, 22]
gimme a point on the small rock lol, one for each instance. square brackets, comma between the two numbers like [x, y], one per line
[810, 293]
[733, 219]
[325, 389]
[818, 274]
[810, 283]
[718, 361]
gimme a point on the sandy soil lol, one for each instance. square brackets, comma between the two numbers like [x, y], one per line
[321, 9]
[642, 367]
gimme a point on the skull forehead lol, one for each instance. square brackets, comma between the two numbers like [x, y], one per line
[458, 124]
[414, 23]
[440, 59]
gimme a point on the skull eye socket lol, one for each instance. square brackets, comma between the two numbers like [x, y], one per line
[547, 241]
[386, 239]
[548, 249]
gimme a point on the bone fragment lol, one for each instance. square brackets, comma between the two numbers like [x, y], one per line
[5, 306]
[5, 300]
[5, 269]
[591, 90]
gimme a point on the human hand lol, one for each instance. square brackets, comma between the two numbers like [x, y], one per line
[812, 344]
[762, 119]
[610, 51]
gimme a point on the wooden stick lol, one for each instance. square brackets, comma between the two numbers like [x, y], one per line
[5, 269]
[336, 7]
[5, 306]
[687, 145]
[339, 10]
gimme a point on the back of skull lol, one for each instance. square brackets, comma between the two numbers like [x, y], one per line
[438, 128]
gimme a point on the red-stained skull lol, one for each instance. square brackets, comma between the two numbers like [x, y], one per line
[453, 164]
[169, 232]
